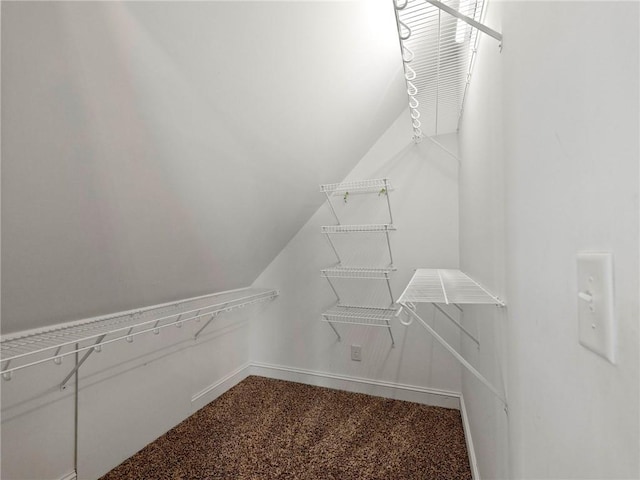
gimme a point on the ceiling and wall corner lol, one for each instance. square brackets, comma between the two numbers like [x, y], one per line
[159, 150]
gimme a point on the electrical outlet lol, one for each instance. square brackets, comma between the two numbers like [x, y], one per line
[356, 353]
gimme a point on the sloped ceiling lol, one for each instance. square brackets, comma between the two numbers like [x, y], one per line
[153, 151]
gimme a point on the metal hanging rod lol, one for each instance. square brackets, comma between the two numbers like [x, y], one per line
[35, 347]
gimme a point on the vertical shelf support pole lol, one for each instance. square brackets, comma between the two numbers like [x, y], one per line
[386, 232]
[386, 189]
[386, 276]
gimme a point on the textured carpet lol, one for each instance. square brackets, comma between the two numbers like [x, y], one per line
[264, 429]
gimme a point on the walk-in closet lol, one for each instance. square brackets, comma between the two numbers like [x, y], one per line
[309, 240]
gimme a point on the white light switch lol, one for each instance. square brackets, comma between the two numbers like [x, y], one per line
[595, 304]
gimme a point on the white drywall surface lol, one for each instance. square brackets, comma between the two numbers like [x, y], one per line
[424, 205]
[153, 151]
[549, 168]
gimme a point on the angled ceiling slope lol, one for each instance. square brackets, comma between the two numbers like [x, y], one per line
[153, 151]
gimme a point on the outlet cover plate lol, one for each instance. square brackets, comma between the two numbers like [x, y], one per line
[595, 299]
[356, 353]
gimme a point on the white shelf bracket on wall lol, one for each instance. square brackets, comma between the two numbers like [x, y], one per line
[28, 349]
[450, 287]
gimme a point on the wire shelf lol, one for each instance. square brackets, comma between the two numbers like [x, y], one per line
[26, 349]
[379, 186]
[367, 316]
[356, 272]
[446, 286]
[438, 52]
[381, 227]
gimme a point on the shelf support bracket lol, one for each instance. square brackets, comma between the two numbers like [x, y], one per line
[63, 385]
[331, 207]
[211, 319]
[334, 329]
[458, 357]
[334, 247]
[452, 11]
[333, 288]
[458, 324]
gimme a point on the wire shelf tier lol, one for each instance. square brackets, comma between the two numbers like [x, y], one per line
[381, 227]
[438, 52]
[378, 186]
[25, 349]
[357, 272]
[368, 316]
[446, 286]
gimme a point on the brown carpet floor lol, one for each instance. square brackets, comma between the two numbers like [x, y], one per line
[265, 429]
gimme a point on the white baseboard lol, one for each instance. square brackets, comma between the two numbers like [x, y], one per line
[216, 389]
[467, 436]
[411, 393]
[70, 476]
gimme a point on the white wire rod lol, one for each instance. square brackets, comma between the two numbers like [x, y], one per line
[442, 147]
[44, 341]
[419, 28]
[446, 286]
[358, 272]
[457, 324]
[359, 186]
[232, 304]
[427, 71]
[378, 317]
[131, 335]
[102, 318]
[373, 228]
[424, 58]
[427, 66]
[451, 11]
[458, 357]
[101, 328]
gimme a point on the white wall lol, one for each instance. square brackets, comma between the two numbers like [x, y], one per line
[424, 204]
[482, 251]
[129, 394]
[550, 168]
[146, 145]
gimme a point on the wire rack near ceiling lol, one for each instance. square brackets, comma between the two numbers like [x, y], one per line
[438, 50]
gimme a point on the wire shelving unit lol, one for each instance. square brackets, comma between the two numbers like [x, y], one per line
[52, 344]
[349, 314]
[449, 287]
[438, 45]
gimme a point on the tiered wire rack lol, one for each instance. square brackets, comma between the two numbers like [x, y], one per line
[364, 315]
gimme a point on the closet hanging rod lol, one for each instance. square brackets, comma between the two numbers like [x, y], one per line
[42, 342]
[452, 11]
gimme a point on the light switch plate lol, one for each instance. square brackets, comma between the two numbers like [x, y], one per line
[596, 317]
